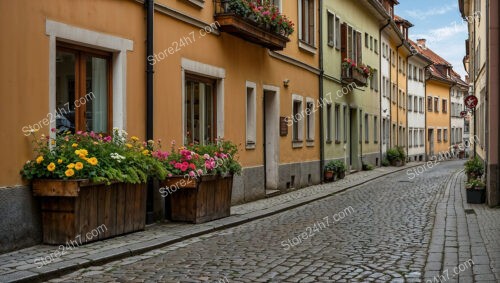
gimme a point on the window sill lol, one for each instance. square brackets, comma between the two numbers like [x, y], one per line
[330, 44]
[375, 142]
[250, 145]
[307, 47]
[310, 143]
[197, 3]
[297, 143]
[367, 142]
[337, 142]
[329, 141]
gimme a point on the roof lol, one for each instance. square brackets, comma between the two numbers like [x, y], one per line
[400, 20]
[439, 65]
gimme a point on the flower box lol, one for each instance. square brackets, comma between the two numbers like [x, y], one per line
[72, 210]
[354, 75]
[201, 199]
[476, 195]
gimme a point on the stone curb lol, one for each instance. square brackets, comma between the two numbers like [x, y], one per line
[61, 268]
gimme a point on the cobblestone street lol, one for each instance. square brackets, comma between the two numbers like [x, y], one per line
[386, 237]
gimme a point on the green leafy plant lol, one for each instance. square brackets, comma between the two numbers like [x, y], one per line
[367, 167]
[330, 166]
[474, 167]
[393, 155]
[92, 156]
[340, 166]
[475, 184]
[385, 162]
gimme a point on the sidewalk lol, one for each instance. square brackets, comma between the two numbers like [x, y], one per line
[19, 266]
[465, 244]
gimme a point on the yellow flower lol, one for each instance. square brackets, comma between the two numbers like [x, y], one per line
[59, 161]
[39, 159]
[81, 152]
[128, 145]
[145, 152]
[51, 167]
[74, 145]
[71, 166]
[69, 172]
[82, 156]
[52, 142]
[79, 166]
[92, 161]
[96, 143]
[134, 138]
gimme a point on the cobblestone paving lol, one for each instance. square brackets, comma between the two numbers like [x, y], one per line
[385, 238]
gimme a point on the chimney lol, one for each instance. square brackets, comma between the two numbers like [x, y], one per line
[421, 42]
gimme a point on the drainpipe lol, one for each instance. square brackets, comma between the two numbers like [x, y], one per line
[397, 91]
[407, 95]
[381, 94]
[149, 5]
[474, 87]
[321, 72]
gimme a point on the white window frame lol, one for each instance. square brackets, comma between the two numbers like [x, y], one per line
[251, 114]
[118, 46]
[310, 121]
[302, 43]
[300, 121]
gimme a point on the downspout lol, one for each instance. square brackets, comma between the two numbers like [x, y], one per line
[397, 91]
[321, 71]
[149, 5]
[407, 95]
[474, 88]
[426, 129]
[382, 128]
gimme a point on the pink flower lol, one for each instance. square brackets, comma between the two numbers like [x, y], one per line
[178, 165]
[192, 174]
[170, 174]
[79, 132]
[184, 166]
[206, 156]
[192, 166]
[200, 172]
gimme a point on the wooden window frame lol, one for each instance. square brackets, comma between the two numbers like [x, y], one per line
[81, 53]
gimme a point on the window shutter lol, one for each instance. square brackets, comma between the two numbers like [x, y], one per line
[359, 58]
[343, 40]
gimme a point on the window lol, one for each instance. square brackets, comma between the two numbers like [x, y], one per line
[310, 119]
[421, 103]
[387, 88]
[298, 123]
[200, 105]
[375, 129]
[400, 98]
[329, 123]
[383, 86]
[429, 104]
[422, 137]
[410, 137]
[415, 73]
[82, 89]
[410, 101]
[436, 104]
[415, 104]
[367, 130]
[445, 135]
[394, 93]
[383, 50]
[439, 135]
[371, 42]
[420, 75]
[307, 22]
[331, 29]
[415, 137]
[251, 120]
[276, 3]
[367, 43]
[346, 116]
[337, 123]
[452, 135]
[351, 43]
[403, 69]
[400, 63]
[393, 58]
[445, 105]
[374, 80]
[337, 32]
[375, 45]
[410, 71]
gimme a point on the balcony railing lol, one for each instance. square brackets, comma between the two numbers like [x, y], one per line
[354, 75]
[232, 20]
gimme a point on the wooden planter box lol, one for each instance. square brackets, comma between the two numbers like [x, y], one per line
[200, 200]
[329, 176]
[75, 209]
[353, 75]
[476, 195]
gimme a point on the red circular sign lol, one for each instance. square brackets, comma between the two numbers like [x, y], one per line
[463, 114]
[471, 101]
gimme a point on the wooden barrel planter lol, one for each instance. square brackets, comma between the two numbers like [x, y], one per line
[74, 209]
[199, 200]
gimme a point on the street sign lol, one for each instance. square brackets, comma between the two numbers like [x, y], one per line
[471, 102]
[463, 114]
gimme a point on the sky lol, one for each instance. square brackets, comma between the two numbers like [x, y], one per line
[440, 22]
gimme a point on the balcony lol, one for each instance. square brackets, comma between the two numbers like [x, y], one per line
[354, 75]
[235, 18]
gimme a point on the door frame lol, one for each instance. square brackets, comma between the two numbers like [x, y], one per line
[270, 128]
